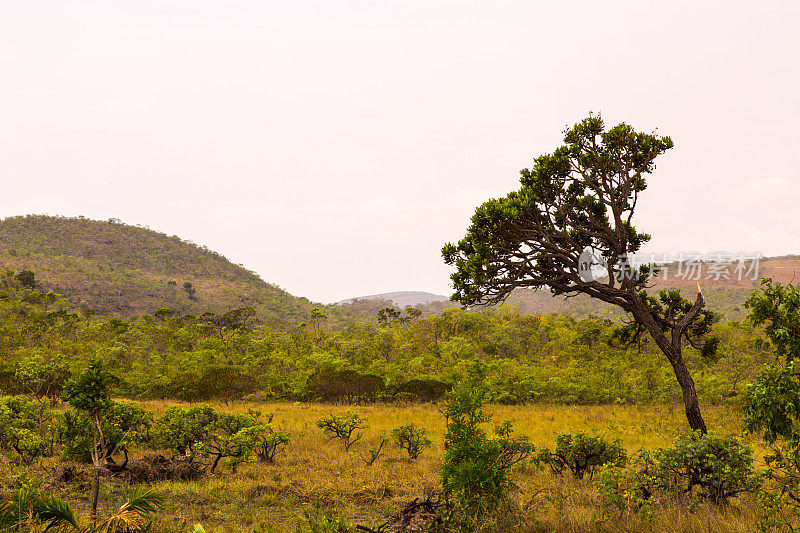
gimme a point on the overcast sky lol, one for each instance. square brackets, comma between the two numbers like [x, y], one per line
[333, 147]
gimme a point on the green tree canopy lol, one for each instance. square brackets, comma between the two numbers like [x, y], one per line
[574, 208]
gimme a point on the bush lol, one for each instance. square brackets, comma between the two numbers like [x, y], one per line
[422, 390]
[718, 467]
[343, 427]
[411, 438]
[629, 488]
[123, 423]
[708, 467]
[476, 468]
[582, 454]
[19, 428]
[264, 441]
[344, 386]
[180, 430]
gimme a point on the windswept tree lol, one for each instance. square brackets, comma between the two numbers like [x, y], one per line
[575, 208]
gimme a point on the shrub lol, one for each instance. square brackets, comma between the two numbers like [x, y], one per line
[344, 386]
[629, 488]
[342, 427]
[422, 390]
[719, 467]
[582, 454]
[226, 440]
[181, 430]
[123, 423]
[709, 467]
[476, 468]
[411, 438]
[264, 441]
[19, 428]
[201, 430]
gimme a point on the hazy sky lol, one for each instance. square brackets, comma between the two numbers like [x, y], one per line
[333, 147]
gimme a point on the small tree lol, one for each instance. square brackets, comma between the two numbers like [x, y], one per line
[123, 423]
[575, 208]
[411, 438]
[477, 468]
[89, 393]
[342, 427]
[182, 430]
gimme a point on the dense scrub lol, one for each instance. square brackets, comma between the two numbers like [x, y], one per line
[231, 355]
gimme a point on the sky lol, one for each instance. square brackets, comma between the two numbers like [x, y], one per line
[333, 147]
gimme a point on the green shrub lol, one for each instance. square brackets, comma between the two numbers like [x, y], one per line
[264, 440]
[344, 386]
[476, 468]
[123, 423]
[19, 428]
[411, 439]
[202, 431]
[342, 427]
[181, 430]
[713, 466]
[696, 466]
[581, 454]
[629, 488]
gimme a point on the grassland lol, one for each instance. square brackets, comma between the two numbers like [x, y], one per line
[315, 477]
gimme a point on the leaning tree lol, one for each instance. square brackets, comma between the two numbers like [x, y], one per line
[574, 205]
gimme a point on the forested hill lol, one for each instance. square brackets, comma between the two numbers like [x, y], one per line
[129, 270]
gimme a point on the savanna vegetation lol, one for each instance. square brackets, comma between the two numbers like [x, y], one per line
[270, 413]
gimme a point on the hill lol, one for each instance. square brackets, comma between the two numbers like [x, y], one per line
[725, 295]
[129, 270]
[401, 298]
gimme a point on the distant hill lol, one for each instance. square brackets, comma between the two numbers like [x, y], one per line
[129, 270]
[401, 298]
[722, 295]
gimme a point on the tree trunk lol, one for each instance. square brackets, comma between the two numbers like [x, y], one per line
[671, 347]
[95, 491]
[690, 402]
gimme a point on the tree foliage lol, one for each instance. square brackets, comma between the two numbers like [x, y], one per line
[575, 207]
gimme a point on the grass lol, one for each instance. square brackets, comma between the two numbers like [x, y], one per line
[315, 476]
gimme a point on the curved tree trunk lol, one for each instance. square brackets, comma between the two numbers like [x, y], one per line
[671, 347]
[690, 402]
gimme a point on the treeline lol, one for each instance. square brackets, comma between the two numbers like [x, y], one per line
[529, 358]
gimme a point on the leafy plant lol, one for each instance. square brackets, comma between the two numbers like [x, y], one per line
[704, 466]
[123, 424]
[476, 468]
[20, 430]
[262, 439]
[29, 510]
[343, 427]
[411, 438]
[581, 454]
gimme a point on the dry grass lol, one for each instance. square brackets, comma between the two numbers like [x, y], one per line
[317, 476]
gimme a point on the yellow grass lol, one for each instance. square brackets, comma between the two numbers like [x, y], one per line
[317, 476]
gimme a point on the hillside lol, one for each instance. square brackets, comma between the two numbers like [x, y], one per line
[129, 270]
[725, 296]
[722, 295]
